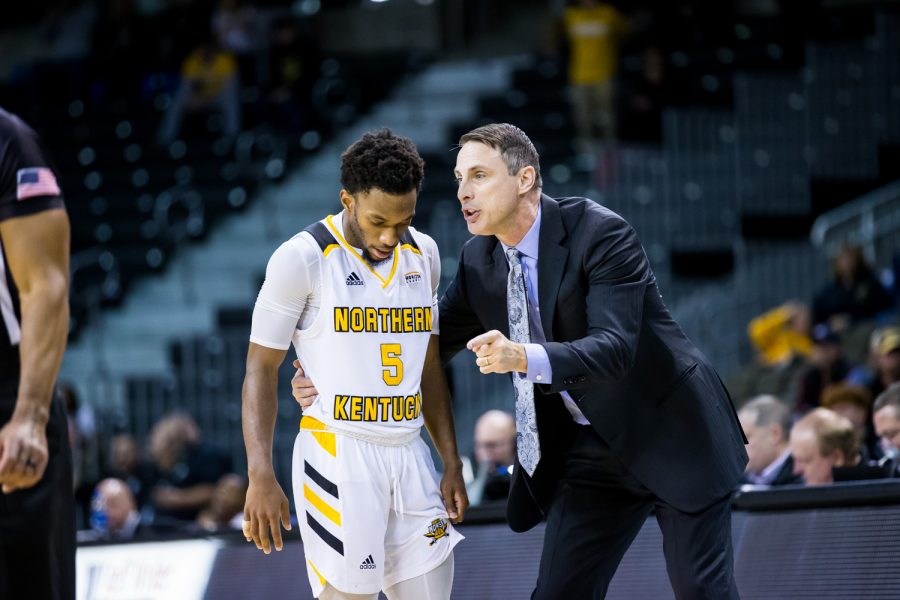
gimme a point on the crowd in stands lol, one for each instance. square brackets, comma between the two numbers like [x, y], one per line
[175, 483]
[819, 403]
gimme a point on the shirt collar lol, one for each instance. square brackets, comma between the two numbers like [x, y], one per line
[528, 245]
[768, 474]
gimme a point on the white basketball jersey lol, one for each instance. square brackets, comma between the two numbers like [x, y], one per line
[366, 348]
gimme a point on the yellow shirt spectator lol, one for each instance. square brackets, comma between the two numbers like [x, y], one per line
[208, 70]
[594, 35]
[775, 336]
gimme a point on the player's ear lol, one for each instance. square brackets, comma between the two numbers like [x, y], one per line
[347, 200]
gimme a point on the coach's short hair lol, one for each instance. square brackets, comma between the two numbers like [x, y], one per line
[514, 146]
[888, 398]
[832, 432]
[384, 161]
[764, 411]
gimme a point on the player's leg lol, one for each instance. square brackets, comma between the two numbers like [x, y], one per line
[330, 593]
[433, 585]
[341, 497]
[420, 539]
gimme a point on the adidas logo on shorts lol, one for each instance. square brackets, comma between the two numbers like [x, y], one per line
[369, 563]
[354, 279]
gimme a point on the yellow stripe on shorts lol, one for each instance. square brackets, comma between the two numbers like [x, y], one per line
[333, 515]
[316, 571]
[326, 439]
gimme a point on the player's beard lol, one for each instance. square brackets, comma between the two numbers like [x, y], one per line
[360, 241]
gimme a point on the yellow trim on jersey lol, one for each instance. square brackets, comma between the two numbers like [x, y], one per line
[332, 515]
[316, 571]
[352, 251]
[329, 248]
[411, 248]
[326, 439]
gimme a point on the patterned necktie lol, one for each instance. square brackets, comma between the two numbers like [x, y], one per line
[527, 443]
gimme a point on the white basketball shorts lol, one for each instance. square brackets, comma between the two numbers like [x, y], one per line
[370, 514]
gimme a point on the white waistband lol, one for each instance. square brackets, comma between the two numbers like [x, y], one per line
[400, 439]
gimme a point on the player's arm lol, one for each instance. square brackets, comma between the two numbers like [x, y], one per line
[439, 422]
[266, 508]
[37, 253]
[281, 301]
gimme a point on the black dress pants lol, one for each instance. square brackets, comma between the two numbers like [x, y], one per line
[597, 511]
[37, 525]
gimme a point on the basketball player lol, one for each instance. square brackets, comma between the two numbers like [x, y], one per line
[356, 293]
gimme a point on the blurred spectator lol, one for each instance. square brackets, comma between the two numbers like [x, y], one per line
[234, 24]
[187, 469]
[821, 441]
[887, 420]
[855, 404]
[226, 508]
[827, 365]
[495, 451]
[782, 343]
[643, 106]
[767, 423]
[594, 30]
[114, 514]
[782, 333]
[887, 356]
[853, 295]
[290, 57]
[864, 374]
[127, 464]
[209, 79]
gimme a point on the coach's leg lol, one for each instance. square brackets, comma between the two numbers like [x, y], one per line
[433, 585]
[597, 511]
[698, 549]
[330, 593]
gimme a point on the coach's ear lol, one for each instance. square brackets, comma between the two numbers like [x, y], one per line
[527, 179]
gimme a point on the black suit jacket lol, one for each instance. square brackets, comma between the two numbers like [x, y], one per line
[646, 389]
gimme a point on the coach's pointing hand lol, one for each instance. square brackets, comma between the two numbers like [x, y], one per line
[302, 387]
[495, 353]
[266, 510]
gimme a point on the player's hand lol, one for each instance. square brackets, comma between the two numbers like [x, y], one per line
[23, 454]
[266, 511]
[495, 353]
[305, 393]
[453, 491]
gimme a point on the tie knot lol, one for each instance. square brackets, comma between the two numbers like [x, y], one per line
[513, 255]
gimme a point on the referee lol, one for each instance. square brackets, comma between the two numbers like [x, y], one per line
[37, 528]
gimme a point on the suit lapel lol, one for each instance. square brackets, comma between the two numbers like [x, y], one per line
[551, 260]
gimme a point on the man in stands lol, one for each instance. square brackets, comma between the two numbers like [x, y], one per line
[767, 423]
[821, 441]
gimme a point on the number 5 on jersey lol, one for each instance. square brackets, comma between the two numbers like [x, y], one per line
[393, 366]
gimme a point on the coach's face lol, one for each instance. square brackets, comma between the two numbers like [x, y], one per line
[492, 199]
[375, 220]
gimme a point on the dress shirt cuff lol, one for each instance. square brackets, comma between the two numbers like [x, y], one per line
[539, 370]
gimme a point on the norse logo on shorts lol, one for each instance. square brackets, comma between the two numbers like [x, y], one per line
[437, 529]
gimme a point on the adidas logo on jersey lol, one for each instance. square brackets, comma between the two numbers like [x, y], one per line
[369, 563]
[354, 279]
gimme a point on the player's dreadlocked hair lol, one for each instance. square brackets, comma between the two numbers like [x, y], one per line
[382, 160]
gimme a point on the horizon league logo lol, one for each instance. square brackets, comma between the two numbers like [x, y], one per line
[412, 277]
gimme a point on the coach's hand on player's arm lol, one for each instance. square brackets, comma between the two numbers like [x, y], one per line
[302, 387]
[266, 511]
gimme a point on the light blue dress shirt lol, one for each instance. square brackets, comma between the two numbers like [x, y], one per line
[539, 369]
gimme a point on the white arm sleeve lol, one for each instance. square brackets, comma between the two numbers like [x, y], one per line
[430, 250]
[289, 294]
